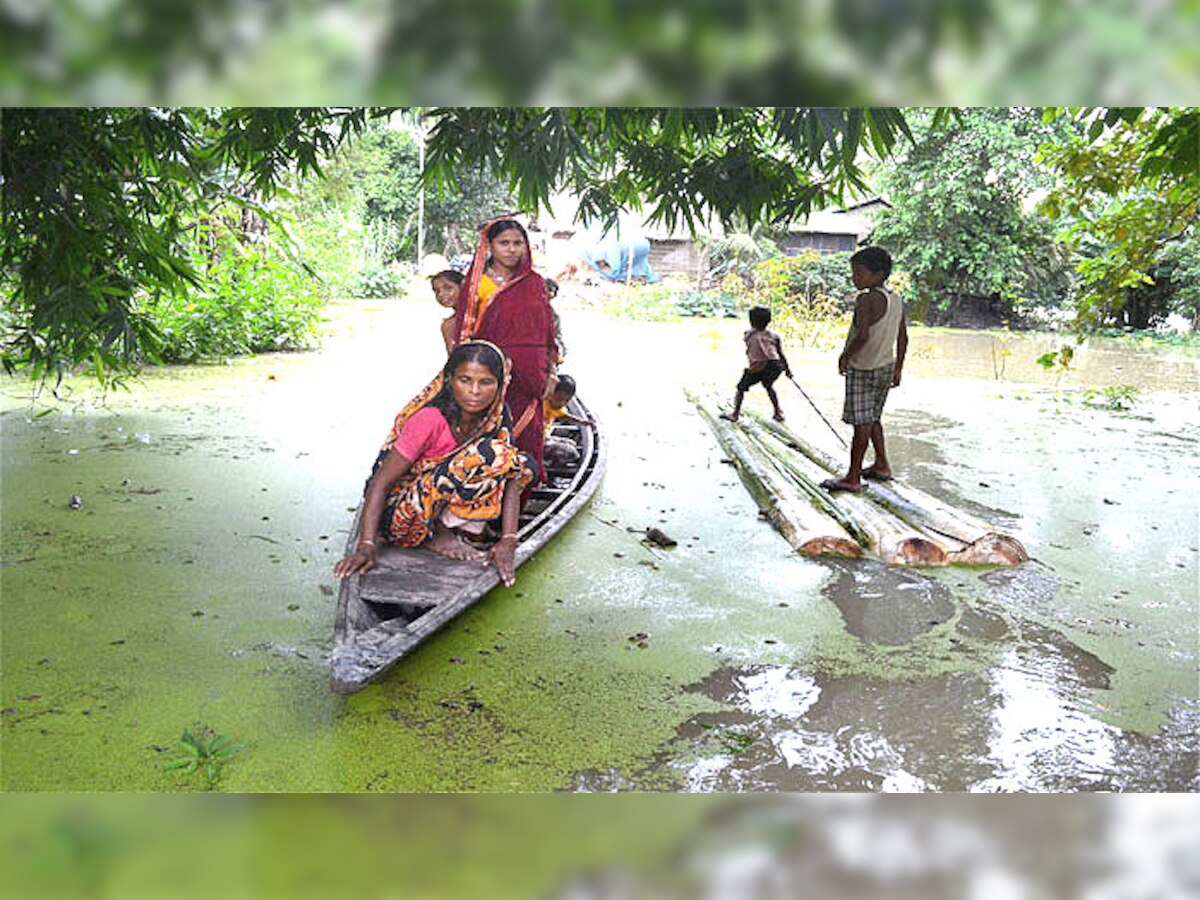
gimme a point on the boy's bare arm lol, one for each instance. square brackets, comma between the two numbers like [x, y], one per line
[782, 358]
[901, 349]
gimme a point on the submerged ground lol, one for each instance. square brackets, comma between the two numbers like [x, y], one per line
[192, 589]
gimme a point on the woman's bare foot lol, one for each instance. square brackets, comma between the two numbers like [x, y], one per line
[450, 544]
[874, 474]
[727, 417]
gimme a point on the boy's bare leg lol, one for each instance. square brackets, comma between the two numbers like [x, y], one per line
[775, 403]
[880, 469]
[737, 408]
[852, 481]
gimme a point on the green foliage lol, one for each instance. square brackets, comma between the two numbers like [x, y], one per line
[739, 252]
[1128, 198]
[651, 302]
[807, 295]
[371, 191]
[379, 282]
[1114, 397]
[707, 304]
[1058, 361]
[808, 282]
[98, 204]
[734, 741]
[452, 217]
[249, 298]
[1179, 261]
[958, 222]
[206, 753]
[330, 241]
[75, 52]
[672, 298]
[749, 164]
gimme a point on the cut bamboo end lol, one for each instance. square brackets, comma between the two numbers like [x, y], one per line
[992, 550]
[831, 546]
[915, 551]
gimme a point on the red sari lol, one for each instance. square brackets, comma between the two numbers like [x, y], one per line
[518, 320]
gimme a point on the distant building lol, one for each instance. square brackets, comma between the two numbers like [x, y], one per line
[678, 253]
[834, 230]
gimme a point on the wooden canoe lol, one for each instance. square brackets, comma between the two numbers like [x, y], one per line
[411, 593]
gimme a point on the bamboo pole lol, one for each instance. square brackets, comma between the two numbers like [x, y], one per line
[811, 489]
[978, 543]
[807, 529]
[895, 541]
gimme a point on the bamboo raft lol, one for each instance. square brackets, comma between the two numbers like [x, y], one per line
[899, 524]
[411, 593]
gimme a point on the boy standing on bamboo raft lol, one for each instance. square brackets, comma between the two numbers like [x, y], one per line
[766, 362]
[871, 362]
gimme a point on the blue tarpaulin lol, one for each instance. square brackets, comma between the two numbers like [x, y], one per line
[613, 257]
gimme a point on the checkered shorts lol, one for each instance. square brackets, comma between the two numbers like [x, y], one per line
[866, 392]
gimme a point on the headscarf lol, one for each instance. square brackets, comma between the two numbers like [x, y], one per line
[469, 312]
[469, 481]
[488, 423]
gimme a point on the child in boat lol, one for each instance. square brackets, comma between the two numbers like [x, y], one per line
[445, 286]
[872, 362]
[764, 353]
[559, 347]
[560, 451]
[449, 468]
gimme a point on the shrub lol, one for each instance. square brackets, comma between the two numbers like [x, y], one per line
[707, 303]
[807, 294]
[331, 244]
[251, 298]
[378, 282]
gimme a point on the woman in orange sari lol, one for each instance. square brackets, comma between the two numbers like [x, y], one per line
[448, 469]
[504, 301]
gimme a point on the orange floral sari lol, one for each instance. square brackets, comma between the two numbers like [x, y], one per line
[468, 482]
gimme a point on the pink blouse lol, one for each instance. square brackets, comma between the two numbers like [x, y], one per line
[427, 433]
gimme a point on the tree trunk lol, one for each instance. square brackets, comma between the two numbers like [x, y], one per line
[968, 539]
[895, 541]
[805, 527]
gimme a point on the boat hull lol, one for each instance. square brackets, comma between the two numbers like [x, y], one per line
[411, 593]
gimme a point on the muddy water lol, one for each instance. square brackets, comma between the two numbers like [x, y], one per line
[192, 588]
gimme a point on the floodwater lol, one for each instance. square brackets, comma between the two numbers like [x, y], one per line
[192, 587]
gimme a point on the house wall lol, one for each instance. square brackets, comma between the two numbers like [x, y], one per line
[670, 256]
[821, 241]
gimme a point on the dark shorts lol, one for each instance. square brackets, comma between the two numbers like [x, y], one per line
[866, 392]
[765, 376]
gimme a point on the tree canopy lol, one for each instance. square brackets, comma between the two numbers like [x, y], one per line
[100, 204]
[959, 222]
[1129, 198]
[758, 164]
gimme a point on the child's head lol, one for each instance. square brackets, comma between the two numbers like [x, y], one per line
[564, 390]
[760, 317]
[445, 286]
[870, 267]
[551, 288]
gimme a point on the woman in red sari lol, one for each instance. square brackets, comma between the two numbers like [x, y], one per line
[504, 301]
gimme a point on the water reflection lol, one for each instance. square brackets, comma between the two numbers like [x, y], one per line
[1039, 740]
[195, 578]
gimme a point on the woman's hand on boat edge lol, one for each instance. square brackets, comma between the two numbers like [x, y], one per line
[356, 563]
[501, 554]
